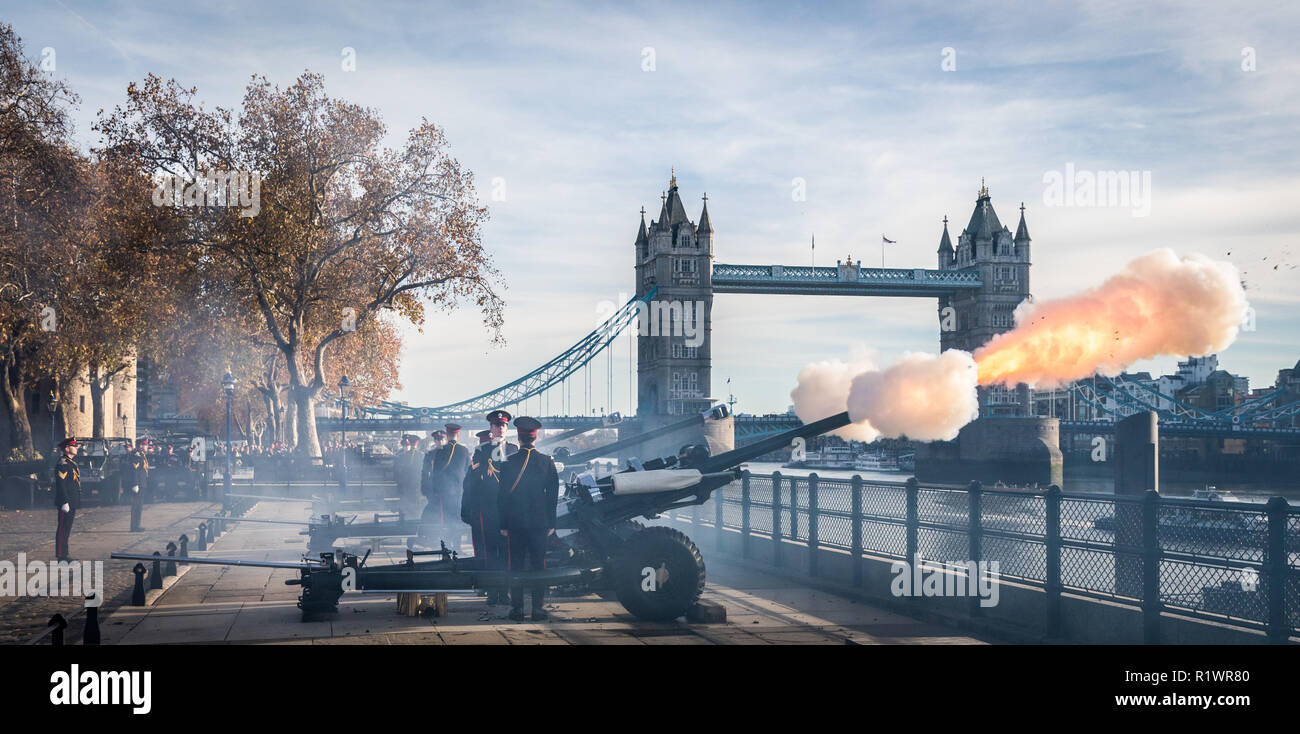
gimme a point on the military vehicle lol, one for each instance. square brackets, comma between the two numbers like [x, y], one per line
[100, 461]
[180, 469]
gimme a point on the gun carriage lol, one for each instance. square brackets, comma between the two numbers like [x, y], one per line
[656, 572]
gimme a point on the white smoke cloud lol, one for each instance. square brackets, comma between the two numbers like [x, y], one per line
[1160, 304]
[922, 396]
[823, 390]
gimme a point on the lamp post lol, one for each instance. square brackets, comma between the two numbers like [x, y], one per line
[343, 453]
[53, 405]
[228, 386]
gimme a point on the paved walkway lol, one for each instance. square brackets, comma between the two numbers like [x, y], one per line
[224, 604]
[96, 532]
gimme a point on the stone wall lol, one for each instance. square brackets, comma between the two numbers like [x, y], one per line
[1011, 450]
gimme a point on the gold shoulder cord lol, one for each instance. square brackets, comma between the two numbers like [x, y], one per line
[450, 455]
[527, 456]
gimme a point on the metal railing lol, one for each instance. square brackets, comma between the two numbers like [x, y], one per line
[1235, 562]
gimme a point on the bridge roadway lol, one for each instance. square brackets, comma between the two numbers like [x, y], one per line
[844, 280]
[216, 604]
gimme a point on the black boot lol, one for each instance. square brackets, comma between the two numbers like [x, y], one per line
[517, 614]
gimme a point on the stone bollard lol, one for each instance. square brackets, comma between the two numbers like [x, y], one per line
[136, 512]
[137, 595]
[90, 636]
[169, 569]
[203, 536]
[185, 546]
[155, 575]
[58, 623]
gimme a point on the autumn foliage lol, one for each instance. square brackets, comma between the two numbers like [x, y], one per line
[284, 242]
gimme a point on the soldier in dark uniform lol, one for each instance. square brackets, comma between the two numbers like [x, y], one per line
[444, 473]
[135, 473]
[150, 488]
[406, 470]
[469, 496]
[530, 489]
[479, 503]
[435, 441]
[67, 496]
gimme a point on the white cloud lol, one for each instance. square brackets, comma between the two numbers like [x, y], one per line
[553, 100]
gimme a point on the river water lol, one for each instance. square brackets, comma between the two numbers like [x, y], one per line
[1075, 486]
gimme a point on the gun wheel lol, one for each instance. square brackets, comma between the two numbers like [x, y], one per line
[659, 574]
[624, 530]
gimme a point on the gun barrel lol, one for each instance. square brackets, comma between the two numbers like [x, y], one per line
[735, 457]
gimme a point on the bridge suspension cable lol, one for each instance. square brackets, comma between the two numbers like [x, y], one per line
[545, 377]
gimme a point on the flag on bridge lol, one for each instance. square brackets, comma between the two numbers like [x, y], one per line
[886, 241]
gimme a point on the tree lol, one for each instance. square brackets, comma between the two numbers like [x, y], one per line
[41, 207]
[333, 230]
[371, 361]
[127, 294]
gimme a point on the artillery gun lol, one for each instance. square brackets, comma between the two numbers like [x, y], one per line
[324, 532]
[330, 503]
[657, 572]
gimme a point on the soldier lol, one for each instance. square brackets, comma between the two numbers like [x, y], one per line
[435, 440]
[444, 473]
[135, 472]
[469, 497]
[67, 496]
[479, 503]
[406, 470]
[530, 489]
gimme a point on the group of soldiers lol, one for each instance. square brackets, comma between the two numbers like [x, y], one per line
[67, 489]
[505, 492]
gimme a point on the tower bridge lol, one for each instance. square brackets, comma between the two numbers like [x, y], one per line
[977, 284]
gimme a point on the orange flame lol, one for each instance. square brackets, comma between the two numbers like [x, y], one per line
[1159, 305]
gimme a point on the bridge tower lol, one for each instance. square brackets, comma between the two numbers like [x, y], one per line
[674, 353]
[1002, 260]
[1007, 443]
[674, 345]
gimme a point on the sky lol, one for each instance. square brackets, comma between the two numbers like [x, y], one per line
[571, 116]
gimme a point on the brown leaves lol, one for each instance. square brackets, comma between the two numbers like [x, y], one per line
[350, 237]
